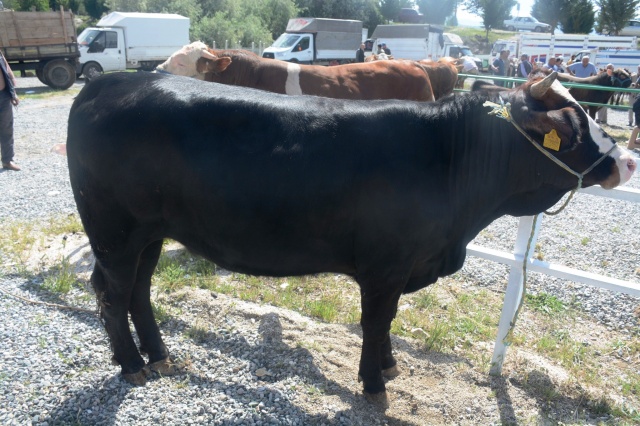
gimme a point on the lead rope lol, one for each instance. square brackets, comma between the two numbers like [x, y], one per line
[503, 111]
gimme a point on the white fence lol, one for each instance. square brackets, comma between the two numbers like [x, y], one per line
[515, 260]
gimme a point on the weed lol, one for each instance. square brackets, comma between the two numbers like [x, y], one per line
[585, 240]
[160, 313]
[197, 333]
[61, 278]
[546, 303]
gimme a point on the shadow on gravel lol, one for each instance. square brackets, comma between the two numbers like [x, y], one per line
[554, 407]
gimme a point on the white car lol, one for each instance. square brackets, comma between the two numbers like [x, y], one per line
[526, 23]
[632, 29]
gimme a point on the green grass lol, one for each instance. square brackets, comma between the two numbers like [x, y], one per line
[61, 278]
[50, 93]
[544, 302]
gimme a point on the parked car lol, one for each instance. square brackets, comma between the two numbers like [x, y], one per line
[412, 16]
[632, 29]
[526, 23]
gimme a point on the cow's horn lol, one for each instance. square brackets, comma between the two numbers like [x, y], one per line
[539, 88]
[208, 55]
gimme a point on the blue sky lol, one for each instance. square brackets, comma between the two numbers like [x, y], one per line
[468, 20]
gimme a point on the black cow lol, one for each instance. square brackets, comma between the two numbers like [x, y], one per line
[618, 78]
[389, 192]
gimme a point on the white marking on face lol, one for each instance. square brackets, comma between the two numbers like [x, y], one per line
[623, 158]
[292, 85]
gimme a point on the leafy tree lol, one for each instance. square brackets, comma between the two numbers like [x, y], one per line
[278, 13]
[389, 9]
[437, 11]
[27, 5]
[492, 12]
[126, 5]
[366, 11]
[95, 8]
[73, 5]
[221, 28]
[614, 14]
[188, 8]
[550, 11]
[578, 18]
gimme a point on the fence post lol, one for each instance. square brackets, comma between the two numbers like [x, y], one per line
[514, 289]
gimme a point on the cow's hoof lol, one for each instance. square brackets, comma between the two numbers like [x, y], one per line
[165, 367]
[380, 400]
[139, 378]
[391, 372]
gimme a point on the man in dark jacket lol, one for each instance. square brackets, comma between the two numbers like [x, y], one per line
[360, 54]
[8, 99]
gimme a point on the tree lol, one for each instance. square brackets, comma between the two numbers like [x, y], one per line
[614, 14]
[437, 11]
[492, 12]
[578, 18]
[366, 11]
[189, 8]
[389, 9]
[550, 11]
[95, 8]
[37, 5]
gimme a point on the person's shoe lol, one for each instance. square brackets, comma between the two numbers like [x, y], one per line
[11, 166]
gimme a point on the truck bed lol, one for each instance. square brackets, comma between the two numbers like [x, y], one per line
[37, 35]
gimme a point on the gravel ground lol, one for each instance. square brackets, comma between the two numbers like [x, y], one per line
[247, 369]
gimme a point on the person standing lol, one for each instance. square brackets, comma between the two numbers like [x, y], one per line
[525, 66]
[499, 67]
[634, 143]
[8, 99]
[386, 49]
[601, 116]
[360, 54]
[583, 69]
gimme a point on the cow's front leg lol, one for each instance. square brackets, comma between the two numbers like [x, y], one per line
[378, 310]
[113, 295]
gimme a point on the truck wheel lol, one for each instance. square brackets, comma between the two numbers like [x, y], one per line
[91, 70]
[40, 74]
[148, 65]
[59, 74]
[511, 28]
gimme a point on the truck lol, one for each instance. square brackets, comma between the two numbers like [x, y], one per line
[620, 58]
[130, 40]
[419, 41]
[540, 47]
[43, 42]
[317, 41]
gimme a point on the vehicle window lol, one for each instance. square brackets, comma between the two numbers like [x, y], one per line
[302, 45]
[99, 40]
[112, 40]
[286, 40]
[87, 36]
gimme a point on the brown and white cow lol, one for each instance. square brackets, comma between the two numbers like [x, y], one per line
[378, 80]
[372, 80]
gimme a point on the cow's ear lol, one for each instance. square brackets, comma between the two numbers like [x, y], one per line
[221, 64]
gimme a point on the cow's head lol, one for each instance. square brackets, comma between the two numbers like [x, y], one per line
[551, 117]
[183, 62]
[619, 78]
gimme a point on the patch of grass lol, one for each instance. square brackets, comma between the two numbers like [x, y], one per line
[197, 333]
[61, 278]
[585, 240]
[51, 93]
[544, 302]
[160, 313]
[69, 224]
[559, 345]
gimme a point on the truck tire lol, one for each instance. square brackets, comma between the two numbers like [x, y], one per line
[91, 70]
[59, 74]
[511, 28]
[40, 74]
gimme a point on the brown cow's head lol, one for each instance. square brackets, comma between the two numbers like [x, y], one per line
[183, 62]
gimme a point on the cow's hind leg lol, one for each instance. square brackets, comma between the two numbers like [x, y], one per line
[113, 289]
[378, 310]
[142, 313]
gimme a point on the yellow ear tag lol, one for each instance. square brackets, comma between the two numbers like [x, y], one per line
[552, 140]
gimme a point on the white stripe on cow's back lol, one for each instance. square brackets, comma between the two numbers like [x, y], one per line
[292, 85]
